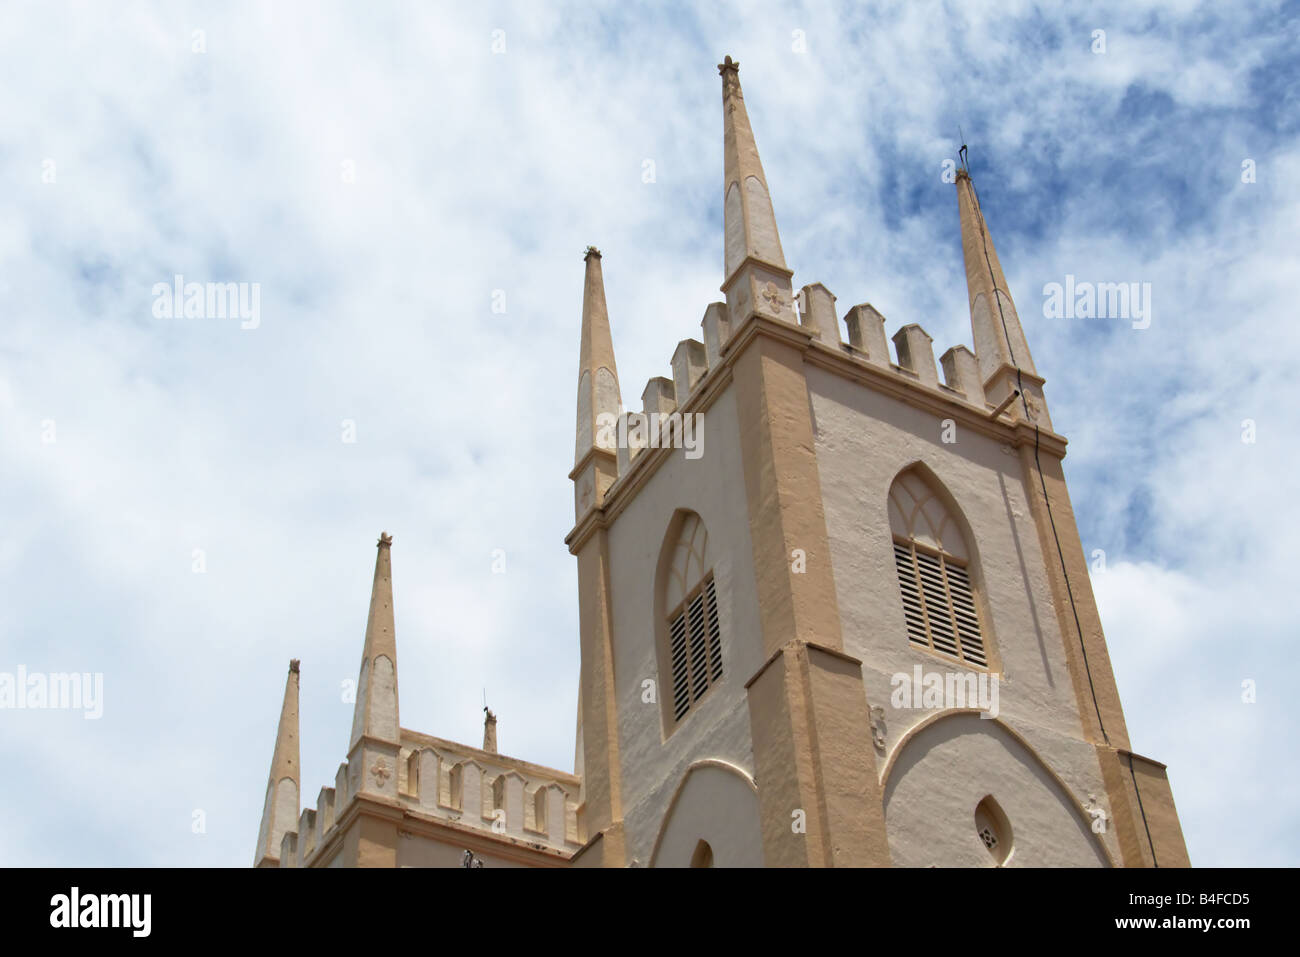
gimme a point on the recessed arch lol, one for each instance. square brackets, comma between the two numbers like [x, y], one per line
[723, 814]
[936, 560]
[1073, 823]
[688, 619]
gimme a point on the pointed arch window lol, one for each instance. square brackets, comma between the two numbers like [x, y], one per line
[932, 560]
[703, 856]
[694, 633]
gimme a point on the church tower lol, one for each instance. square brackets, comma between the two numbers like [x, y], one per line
[832, 609]
[835, 611]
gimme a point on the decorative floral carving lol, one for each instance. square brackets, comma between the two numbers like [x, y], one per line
[772, 296]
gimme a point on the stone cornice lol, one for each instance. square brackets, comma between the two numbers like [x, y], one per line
[795, 645]
[592, 453]
[752, 260]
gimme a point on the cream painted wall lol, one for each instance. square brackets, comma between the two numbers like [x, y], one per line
[864, 439]
[718, 726]
[975, 758]
[718, 805]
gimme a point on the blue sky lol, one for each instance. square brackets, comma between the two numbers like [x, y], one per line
[476, 172]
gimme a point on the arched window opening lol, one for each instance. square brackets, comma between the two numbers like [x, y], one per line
[932, 559]
[703, 856]
[694, 632]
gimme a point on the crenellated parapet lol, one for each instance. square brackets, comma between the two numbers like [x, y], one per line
[668, 403]
[915, 351]
[491, 792]
[289, 849]
[866, 328]
[307, 836]
[817, 313]
[508, 799]
[961, 372]
[911, 363]
[689, 363]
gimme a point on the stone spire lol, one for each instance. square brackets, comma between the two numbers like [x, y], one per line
[599, 402]
[280, 813]
[1001, 349]
[598, 391]
[757, 279]
[376, 738]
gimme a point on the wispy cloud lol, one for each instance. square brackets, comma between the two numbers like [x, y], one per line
[384, 174]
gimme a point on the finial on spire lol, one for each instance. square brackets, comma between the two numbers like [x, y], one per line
[729, 70]
[385, 539]
[293, 665]
[591, 251]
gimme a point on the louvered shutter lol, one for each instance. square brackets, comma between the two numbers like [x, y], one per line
[695, 648]
[938, 605]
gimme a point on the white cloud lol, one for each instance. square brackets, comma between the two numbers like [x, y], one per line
[477, 172]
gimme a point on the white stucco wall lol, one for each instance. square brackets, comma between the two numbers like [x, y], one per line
[976, 758]
[864, 439]
[716, 805]
[718, 726]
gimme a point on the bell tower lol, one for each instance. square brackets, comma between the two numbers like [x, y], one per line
[756, 612]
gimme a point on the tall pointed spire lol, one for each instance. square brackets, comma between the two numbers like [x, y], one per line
[598, 392]
[599, 402]
[280, 813]
[595, 471]
[1000, 345]
[757, 279]
[375, 712]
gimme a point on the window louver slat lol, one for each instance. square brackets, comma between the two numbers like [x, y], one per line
[695, 648]
[938, 605]
[699, 649]
[715, 633]
[681, 677]
[912, 610]
[963, 603]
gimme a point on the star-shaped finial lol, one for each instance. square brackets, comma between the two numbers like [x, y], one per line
[728, 65]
